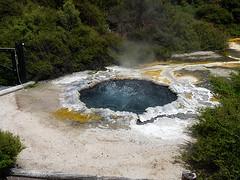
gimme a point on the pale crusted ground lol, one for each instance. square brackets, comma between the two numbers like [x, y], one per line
[52, 145]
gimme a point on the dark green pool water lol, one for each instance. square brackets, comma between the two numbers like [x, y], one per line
[127, 95]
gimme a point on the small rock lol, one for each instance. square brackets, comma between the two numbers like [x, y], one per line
[188, 175]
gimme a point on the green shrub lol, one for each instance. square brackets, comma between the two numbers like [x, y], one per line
[50, 3]
[11, 7]
[222, 13]
[69, 16]
[234, 30]
[57, 40]
[92, 15]
[215, 154]
[236, 14]
[167, 28]
[209, 37]
[65, 36]
[10, 147]
[215, 14]
[230, 4]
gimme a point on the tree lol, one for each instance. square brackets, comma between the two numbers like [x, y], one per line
[69, 16]
[11, 8]
[236, 15]
[92, 15]
[50, 3]
[210, 38]
[230, 4]
[215, 14]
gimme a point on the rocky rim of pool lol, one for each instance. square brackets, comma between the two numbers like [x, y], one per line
[172, 116]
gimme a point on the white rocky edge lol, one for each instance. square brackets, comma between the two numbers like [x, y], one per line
[198, 55]
[166, 124]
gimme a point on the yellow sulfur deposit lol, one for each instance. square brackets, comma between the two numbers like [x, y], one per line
[234, 40]
[182, 73]
[152, 73]
[231, 65]
[214, 99]
[65, 114]
[189, 95]
[164, 81]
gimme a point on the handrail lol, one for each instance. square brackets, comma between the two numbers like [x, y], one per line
[7, 49]
[18, 61]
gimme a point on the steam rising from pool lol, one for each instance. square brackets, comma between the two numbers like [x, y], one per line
[127, 95]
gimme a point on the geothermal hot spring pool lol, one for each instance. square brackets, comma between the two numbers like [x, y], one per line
[127, 95]
[135, 103]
